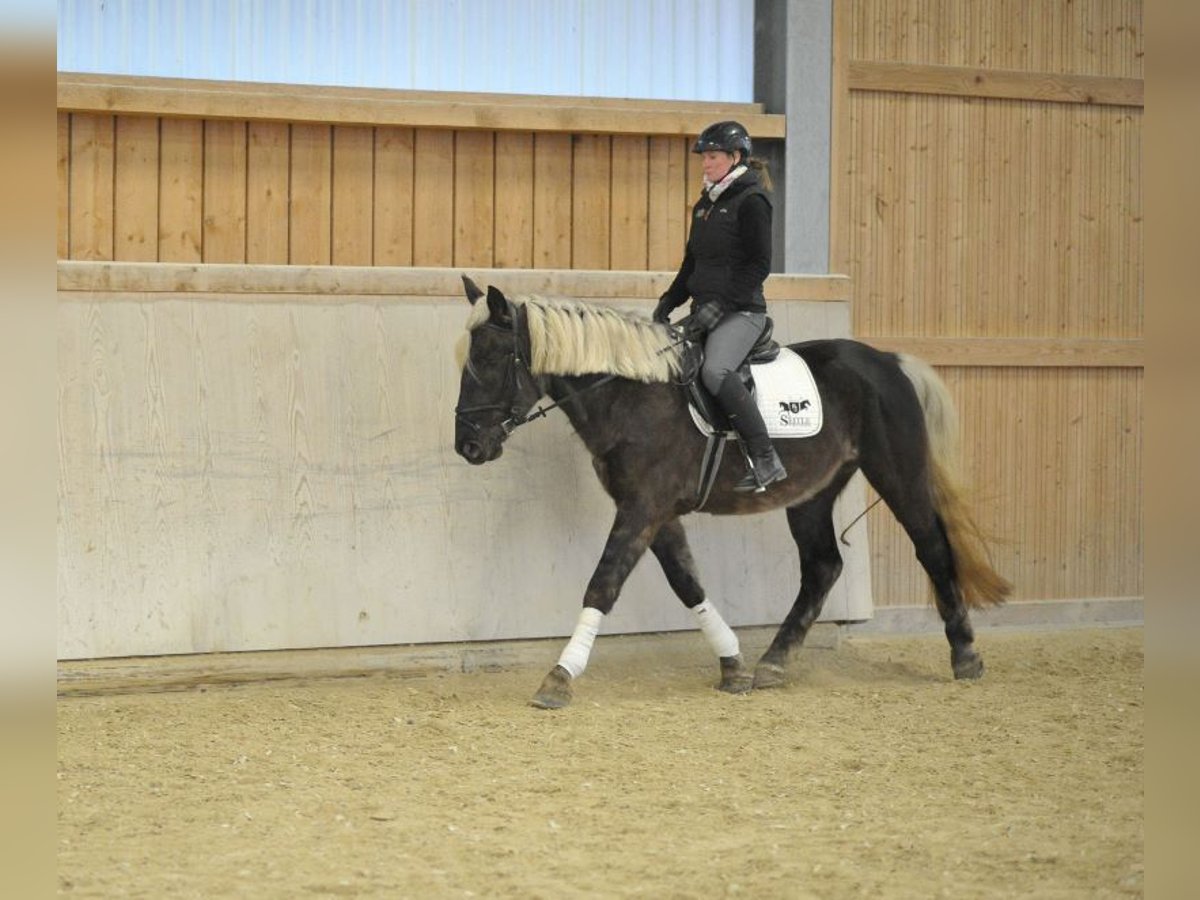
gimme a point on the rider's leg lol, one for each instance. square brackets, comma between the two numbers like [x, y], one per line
[766, 466]
[727, 346]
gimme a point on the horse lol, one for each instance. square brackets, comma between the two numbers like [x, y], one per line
[615, 376]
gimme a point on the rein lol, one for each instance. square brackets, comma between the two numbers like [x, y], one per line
[540, 412]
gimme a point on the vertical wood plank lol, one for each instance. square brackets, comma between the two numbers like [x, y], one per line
[514, 200]
[267, 157]
[181, 190]
[693, 184]
[310, 194]
[552, 166]
[1130, 238]
[91, 178]
[630, 203]
[224, 191]
[135, 209]
[353, 187]
[433, 198]
[591, 201]
[393, 207]
[474, 198]
[63, 187]
[668, 217]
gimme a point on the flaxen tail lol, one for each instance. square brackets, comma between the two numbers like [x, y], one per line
[981, 584]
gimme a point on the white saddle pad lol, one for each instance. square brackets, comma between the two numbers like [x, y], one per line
[787, 398]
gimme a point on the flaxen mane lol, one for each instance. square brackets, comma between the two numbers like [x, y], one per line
[568, 337]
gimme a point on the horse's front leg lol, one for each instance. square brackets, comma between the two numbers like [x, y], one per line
[630, 535]
[670, 546]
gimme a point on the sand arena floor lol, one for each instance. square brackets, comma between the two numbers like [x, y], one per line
[870, 774]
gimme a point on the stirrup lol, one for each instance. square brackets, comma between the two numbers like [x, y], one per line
[748, 484]
[772, 470]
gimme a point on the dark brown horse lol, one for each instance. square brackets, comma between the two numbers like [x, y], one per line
[884, 413]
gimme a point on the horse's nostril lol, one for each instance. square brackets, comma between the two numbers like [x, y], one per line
[471, 450]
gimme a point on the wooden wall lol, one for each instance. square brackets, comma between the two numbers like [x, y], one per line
[988, 210]
[173, 171]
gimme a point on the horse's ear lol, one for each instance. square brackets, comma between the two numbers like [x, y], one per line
[473, 291]
[498, 306]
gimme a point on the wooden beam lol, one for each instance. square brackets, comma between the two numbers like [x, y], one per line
[962, 81]
[1020, 352]
[271, 88]
[286, 103]
[249, 283]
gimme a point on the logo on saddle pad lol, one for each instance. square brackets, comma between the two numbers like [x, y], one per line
[787, 397]
[792, 414]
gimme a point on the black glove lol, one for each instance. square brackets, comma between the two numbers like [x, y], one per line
[662, 312]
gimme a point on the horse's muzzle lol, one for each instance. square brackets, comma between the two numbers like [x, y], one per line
[476, 451]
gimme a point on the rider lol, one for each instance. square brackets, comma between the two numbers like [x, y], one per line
[727, 260]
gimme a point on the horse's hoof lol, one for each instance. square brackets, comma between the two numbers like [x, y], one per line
[735, 677]
[555, 692]
[968, 667]
[767, 675]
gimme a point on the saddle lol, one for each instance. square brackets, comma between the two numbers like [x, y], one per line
[789, 401]
[765, 350]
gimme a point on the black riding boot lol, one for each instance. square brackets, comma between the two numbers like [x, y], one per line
[765, 466]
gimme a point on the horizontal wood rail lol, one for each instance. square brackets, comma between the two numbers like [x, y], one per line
[1019, 352]
[961, 81]
[272, 88]
[253, 101]
[166, 281]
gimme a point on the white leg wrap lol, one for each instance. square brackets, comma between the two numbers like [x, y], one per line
[720, 636]
[575, 655]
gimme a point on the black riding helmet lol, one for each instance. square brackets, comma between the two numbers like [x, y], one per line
[727, 136]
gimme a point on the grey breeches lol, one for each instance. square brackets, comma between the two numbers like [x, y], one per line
[728, 345]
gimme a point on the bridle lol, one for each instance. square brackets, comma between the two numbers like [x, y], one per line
[513, 374]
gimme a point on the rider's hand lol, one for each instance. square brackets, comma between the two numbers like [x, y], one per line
[662, 312]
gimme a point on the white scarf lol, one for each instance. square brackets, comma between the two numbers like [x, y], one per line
[716, 190]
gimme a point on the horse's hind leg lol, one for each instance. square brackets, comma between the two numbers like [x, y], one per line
[670, 547]
[811, 525]
[907, 494]
[935, 556]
